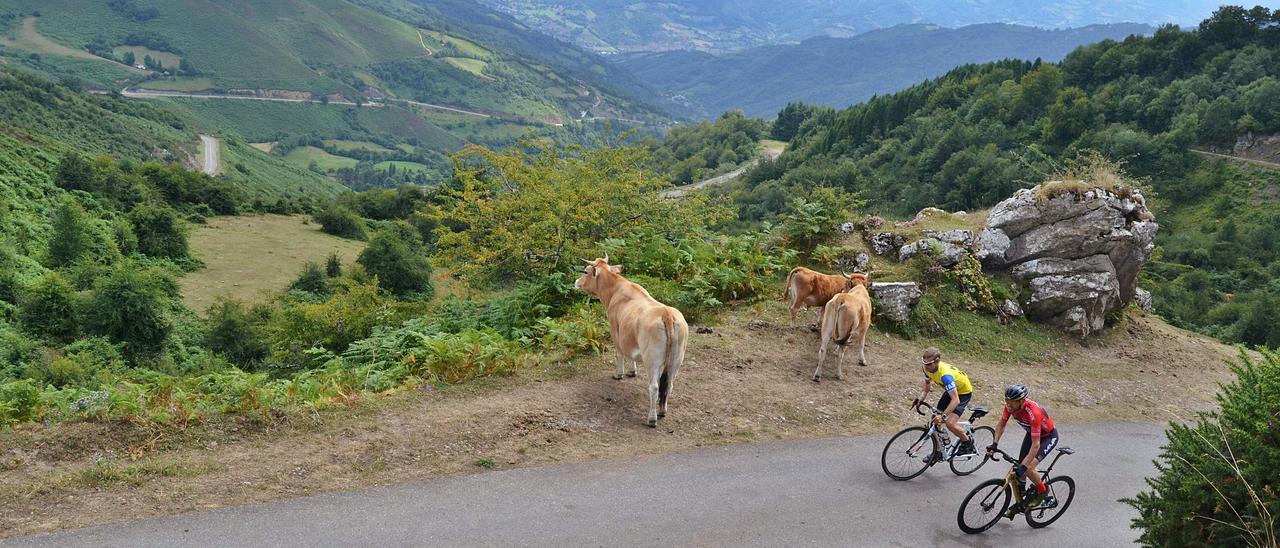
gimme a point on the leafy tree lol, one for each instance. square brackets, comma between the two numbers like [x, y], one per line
[340, 221]
[1216, 482]
[131, 306]
[72, 233]
[48, 307]
[129, 59]
[393, 256]
[236, 332]
[787, 124]
[514, 214]
[333, 265]
[160, 232]
[312, 280]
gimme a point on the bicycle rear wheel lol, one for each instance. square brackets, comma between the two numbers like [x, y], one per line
[964, 465]
[907, 453]
[1062, 489]
[983, 507]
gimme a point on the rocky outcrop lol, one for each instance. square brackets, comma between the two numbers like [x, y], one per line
[945, 253]
[1079, 252]
[884, 242]
[894, 300]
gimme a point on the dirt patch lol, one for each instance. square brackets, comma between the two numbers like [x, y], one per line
[747, 379]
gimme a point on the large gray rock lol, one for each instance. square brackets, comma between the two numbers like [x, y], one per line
[959, 236]
[1079, 253]
[1142, 298]
[894, 300]
[945, 253]
[884, 242]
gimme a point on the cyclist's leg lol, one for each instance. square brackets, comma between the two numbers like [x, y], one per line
[953, 418]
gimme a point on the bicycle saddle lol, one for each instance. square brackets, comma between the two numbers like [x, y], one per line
[1066, 450]
[978, 412]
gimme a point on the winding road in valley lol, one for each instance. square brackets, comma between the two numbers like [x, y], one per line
[212, 155]
[826, 492]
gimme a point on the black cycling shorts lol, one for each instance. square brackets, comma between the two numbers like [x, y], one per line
[945, 400]
[1047, 442]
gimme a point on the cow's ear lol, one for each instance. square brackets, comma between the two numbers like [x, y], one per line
[616, 269]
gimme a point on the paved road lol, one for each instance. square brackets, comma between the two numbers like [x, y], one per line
[819, 493]
[1260, 163]
[211, 153]
[718, 179]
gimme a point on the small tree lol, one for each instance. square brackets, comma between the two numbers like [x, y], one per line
[129, 58]
[312, 280]
[160, 232]
[397, 263]
[72, 234]
[1217, 483]
[234, 332]
[340, 221]
[333, 265]
[48, 307]
[130, 306]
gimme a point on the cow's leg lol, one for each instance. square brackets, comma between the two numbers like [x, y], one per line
[822, 356]
[664, 389]
[840, 363]
[632, 373]
[793, 309]
[621, 367]
[862, 349]
[653, 395]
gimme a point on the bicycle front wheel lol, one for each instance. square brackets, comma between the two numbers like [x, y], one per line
[907, 454]
[983, 507]
[1060, 492]
[963, 465]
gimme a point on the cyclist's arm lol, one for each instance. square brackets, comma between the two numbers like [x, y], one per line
[995, 440]
[925, 393]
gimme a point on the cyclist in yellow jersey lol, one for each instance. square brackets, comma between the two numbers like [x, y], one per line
[957, 390]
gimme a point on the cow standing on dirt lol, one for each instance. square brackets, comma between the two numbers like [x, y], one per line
[642, 329]
[810, 288]
[845, 316]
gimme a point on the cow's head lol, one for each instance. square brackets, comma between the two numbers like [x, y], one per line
[855, 279]
[595, 274]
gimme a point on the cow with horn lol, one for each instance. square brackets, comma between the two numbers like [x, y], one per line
[642, 328]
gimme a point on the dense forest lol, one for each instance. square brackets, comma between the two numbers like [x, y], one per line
[970, 138]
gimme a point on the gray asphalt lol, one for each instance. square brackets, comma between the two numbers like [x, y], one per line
[828, 492]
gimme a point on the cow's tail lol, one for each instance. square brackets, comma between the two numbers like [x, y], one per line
[669, 357]
[786, 290]
[842, 330]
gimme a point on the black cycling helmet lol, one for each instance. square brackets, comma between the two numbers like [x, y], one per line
[1016, 391]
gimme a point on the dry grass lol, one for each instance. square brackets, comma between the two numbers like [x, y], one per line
[748, 380]
[1086, 172]
[251, 256]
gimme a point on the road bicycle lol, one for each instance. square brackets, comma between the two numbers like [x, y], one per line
[913, 450]
[989, 501]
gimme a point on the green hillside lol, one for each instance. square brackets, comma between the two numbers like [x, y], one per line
[970, 138]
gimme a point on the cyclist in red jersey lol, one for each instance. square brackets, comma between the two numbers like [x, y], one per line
[1042, 437]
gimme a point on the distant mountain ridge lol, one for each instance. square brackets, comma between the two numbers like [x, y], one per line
[631, 26]
[842, 71]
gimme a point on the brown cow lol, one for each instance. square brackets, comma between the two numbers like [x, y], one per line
[810, 288]
[845, 316]
[642, 329]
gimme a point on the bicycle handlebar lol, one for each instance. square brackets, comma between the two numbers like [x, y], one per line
[922, 405]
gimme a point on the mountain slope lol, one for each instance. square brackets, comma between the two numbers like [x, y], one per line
[614, 26]
[970, 138]
[843, 71]
[466, 55]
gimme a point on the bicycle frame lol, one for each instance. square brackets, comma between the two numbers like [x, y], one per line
[1014, 485]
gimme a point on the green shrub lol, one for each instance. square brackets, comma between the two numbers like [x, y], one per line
[16, 350]
[333, 266]
[131, 306]
[341, 222]
[48, 307]
[1217, 481]
[19, 401]
[160, 232]
[236, 332]
[348, 316]
[396, 261]
[312, 280]
[72, 233]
